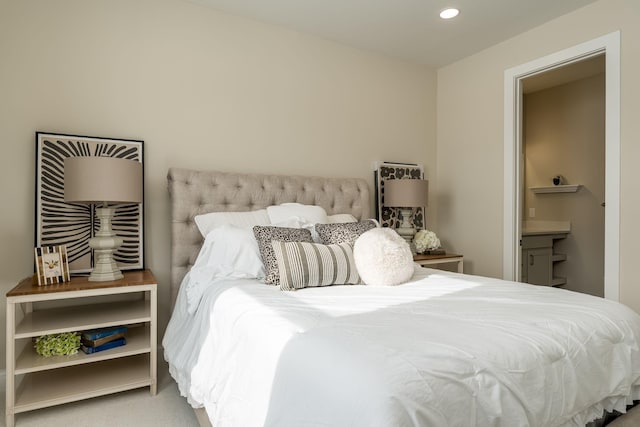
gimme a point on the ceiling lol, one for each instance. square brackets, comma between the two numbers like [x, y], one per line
[405, 29]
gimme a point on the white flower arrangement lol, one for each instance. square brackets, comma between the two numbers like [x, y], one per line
[425, 240]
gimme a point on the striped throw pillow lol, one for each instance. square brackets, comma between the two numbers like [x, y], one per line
[302, 264]
[265, 235]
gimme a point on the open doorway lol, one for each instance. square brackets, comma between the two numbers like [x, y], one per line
[563, 185]
[609, 46]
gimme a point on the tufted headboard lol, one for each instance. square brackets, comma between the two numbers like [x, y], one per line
[197, 192]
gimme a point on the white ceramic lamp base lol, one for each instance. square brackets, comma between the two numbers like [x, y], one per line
[104, 245]
[405, 230]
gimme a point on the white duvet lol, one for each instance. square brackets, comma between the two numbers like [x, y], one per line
[446, 349]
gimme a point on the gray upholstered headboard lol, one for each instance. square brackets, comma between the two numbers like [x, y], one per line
[197, 192]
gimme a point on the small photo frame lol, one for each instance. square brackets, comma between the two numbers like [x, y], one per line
[52, 265]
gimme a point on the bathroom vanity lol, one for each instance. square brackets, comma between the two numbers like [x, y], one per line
[538, 255]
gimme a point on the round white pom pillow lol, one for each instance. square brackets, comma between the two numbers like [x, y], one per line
[383, 258]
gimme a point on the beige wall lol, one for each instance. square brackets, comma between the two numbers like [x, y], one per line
[204, 90]
[470, 136]
[564, 135]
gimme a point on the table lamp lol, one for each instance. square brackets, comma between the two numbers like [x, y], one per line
[106, 181]
[406, 194]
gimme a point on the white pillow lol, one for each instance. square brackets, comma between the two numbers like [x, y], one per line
[228, 252]
[341, 218]
[383, 258]
[305, 213]
[209, 221]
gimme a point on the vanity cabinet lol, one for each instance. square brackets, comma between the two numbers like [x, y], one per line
[538, 259]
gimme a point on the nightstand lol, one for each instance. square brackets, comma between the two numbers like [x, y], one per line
[34, 381]
[440, 259]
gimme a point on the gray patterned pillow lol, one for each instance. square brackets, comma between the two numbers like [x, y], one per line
[265, 235]
[303, 265]
[348, 232]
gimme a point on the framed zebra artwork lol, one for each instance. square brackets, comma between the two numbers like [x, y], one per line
[73, 224]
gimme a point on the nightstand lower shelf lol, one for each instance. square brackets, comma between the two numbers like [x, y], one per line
[137, 343]
[82, 382]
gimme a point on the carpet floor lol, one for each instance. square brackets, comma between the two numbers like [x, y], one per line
[138, 408]
[131, 408]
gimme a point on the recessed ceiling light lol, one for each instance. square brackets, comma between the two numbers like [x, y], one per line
[449, 13]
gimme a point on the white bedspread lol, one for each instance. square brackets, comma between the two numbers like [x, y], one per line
[444, 350]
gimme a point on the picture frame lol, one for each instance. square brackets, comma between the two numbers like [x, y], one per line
[51, 265]
[73, 224]
[389, 216]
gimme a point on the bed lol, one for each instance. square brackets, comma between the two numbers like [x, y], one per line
[444, 349]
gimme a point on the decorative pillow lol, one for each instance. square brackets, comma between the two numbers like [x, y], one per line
[209, 221]
[340, 218]
[265, 235]
[297, 222]
[305, 213]
[383, 258]
[347, 232]
[228, 252]
[302, 265]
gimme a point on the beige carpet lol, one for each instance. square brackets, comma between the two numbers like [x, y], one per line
[131, 408]
[138, 408]
[630, 419]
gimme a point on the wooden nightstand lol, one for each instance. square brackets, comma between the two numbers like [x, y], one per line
[440, 259]
[34, 382]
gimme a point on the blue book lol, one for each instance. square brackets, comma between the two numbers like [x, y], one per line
[107, 346]
[103, 332]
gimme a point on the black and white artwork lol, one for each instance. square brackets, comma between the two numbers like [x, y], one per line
[387, 216]
[73, 224]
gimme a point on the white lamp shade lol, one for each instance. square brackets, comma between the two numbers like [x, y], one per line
[102, 179]
[406, 193]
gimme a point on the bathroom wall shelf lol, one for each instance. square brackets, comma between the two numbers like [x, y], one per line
[556, 189]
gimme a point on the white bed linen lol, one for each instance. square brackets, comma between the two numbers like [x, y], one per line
[444, 350]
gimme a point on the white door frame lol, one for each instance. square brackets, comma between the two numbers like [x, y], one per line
[610, 45]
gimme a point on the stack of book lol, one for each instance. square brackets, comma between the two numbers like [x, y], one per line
[103, 339]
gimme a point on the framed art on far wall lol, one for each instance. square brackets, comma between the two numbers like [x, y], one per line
[388, 216]
[72, 224]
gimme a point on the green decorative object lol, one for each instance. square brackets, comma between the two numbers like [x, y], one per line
[64, 344]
